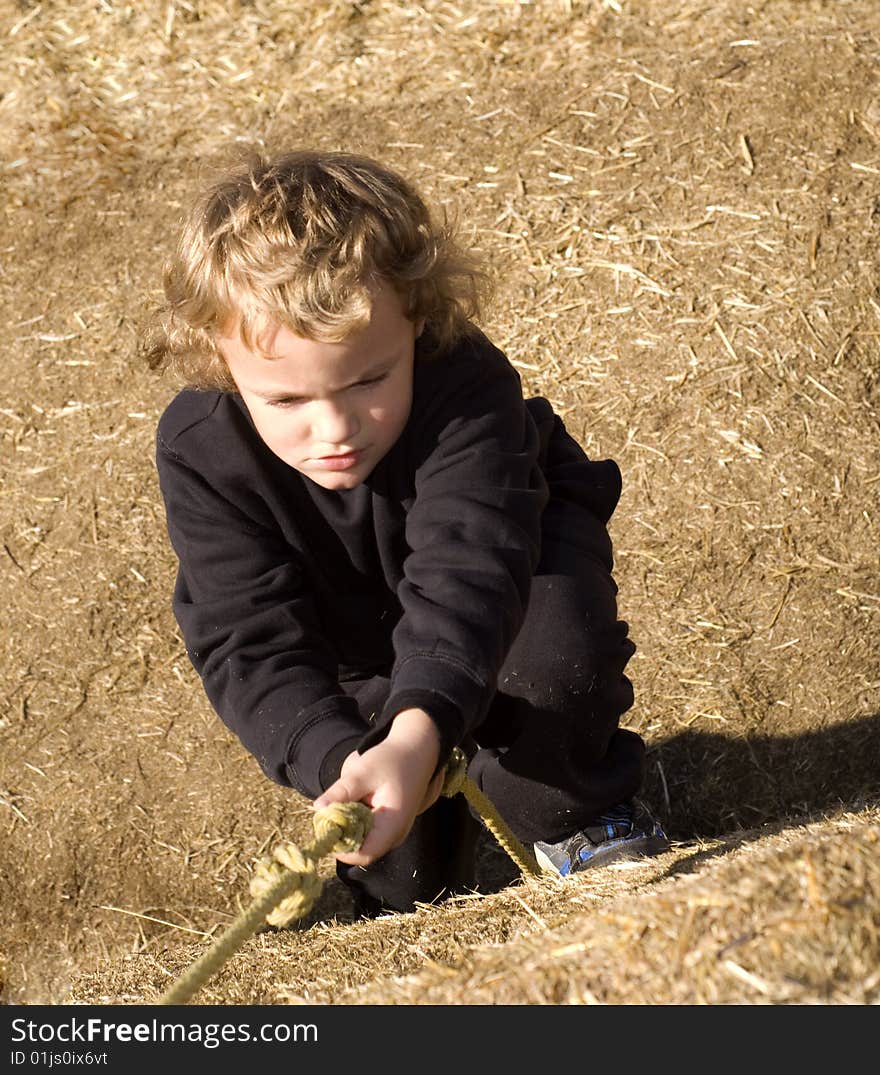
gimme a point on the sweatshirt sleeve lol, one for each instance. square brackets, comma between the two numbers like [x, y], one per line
[251, 631]
[473, 534]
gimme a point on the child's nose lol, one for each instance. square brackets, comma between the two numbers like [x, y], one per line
[334, 424]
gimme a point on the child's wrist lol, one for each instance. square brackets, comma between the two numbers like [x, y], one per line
[416, 728]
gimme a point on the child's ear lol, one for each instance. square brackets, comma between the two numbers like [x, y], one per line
[420, 327]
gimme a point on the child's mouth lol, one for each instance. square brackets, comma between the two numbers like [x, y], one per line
[339, 462]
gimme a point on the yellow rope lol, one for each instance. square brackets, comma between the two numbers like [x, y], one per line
[339, 827]
[286, 885]
[458, 780]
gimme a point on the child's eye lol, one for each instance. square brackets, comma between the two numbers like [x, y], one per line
[285, 401]
[372, 381]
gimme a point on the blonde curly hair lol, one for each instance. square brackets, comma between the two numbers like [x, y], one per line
[302, 240]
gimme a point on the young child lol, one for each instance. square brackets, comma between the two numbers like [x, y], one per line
[384, 550]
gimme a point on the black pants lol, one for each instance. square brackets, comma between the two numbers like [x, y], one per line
[550, 754]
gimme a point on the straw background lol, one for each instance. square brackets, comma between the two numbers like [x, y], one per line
[680, 203]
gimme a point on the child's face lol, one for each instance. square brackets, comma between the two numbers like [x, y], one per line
[330, 410]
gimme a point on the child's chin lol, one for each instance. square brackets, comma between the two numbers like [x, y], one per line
[336, 481]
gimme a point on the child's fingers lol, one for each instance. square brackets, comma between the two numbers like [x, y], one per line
[385, 834]
[346, 790]
[342, 791]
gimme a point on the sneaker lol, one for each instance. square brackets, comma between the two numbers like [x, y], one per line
[626, 831]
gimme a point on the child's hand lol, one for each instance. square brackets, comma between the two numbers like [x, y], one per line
[395, 779]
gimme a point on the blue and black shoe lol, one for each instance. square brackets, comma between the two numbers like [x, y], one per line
[625, 831]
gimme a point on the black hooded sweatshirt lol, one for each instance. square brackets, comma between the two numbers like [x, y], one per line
[421, 573]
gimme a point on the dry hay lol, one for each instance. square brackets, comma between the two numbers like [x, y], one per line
[680, 203]
[789, 918]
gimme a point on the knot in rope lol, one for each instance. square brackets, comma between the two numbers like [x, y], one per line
[269, 871]
[339, 827]
[456, 773]
[351, 822]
